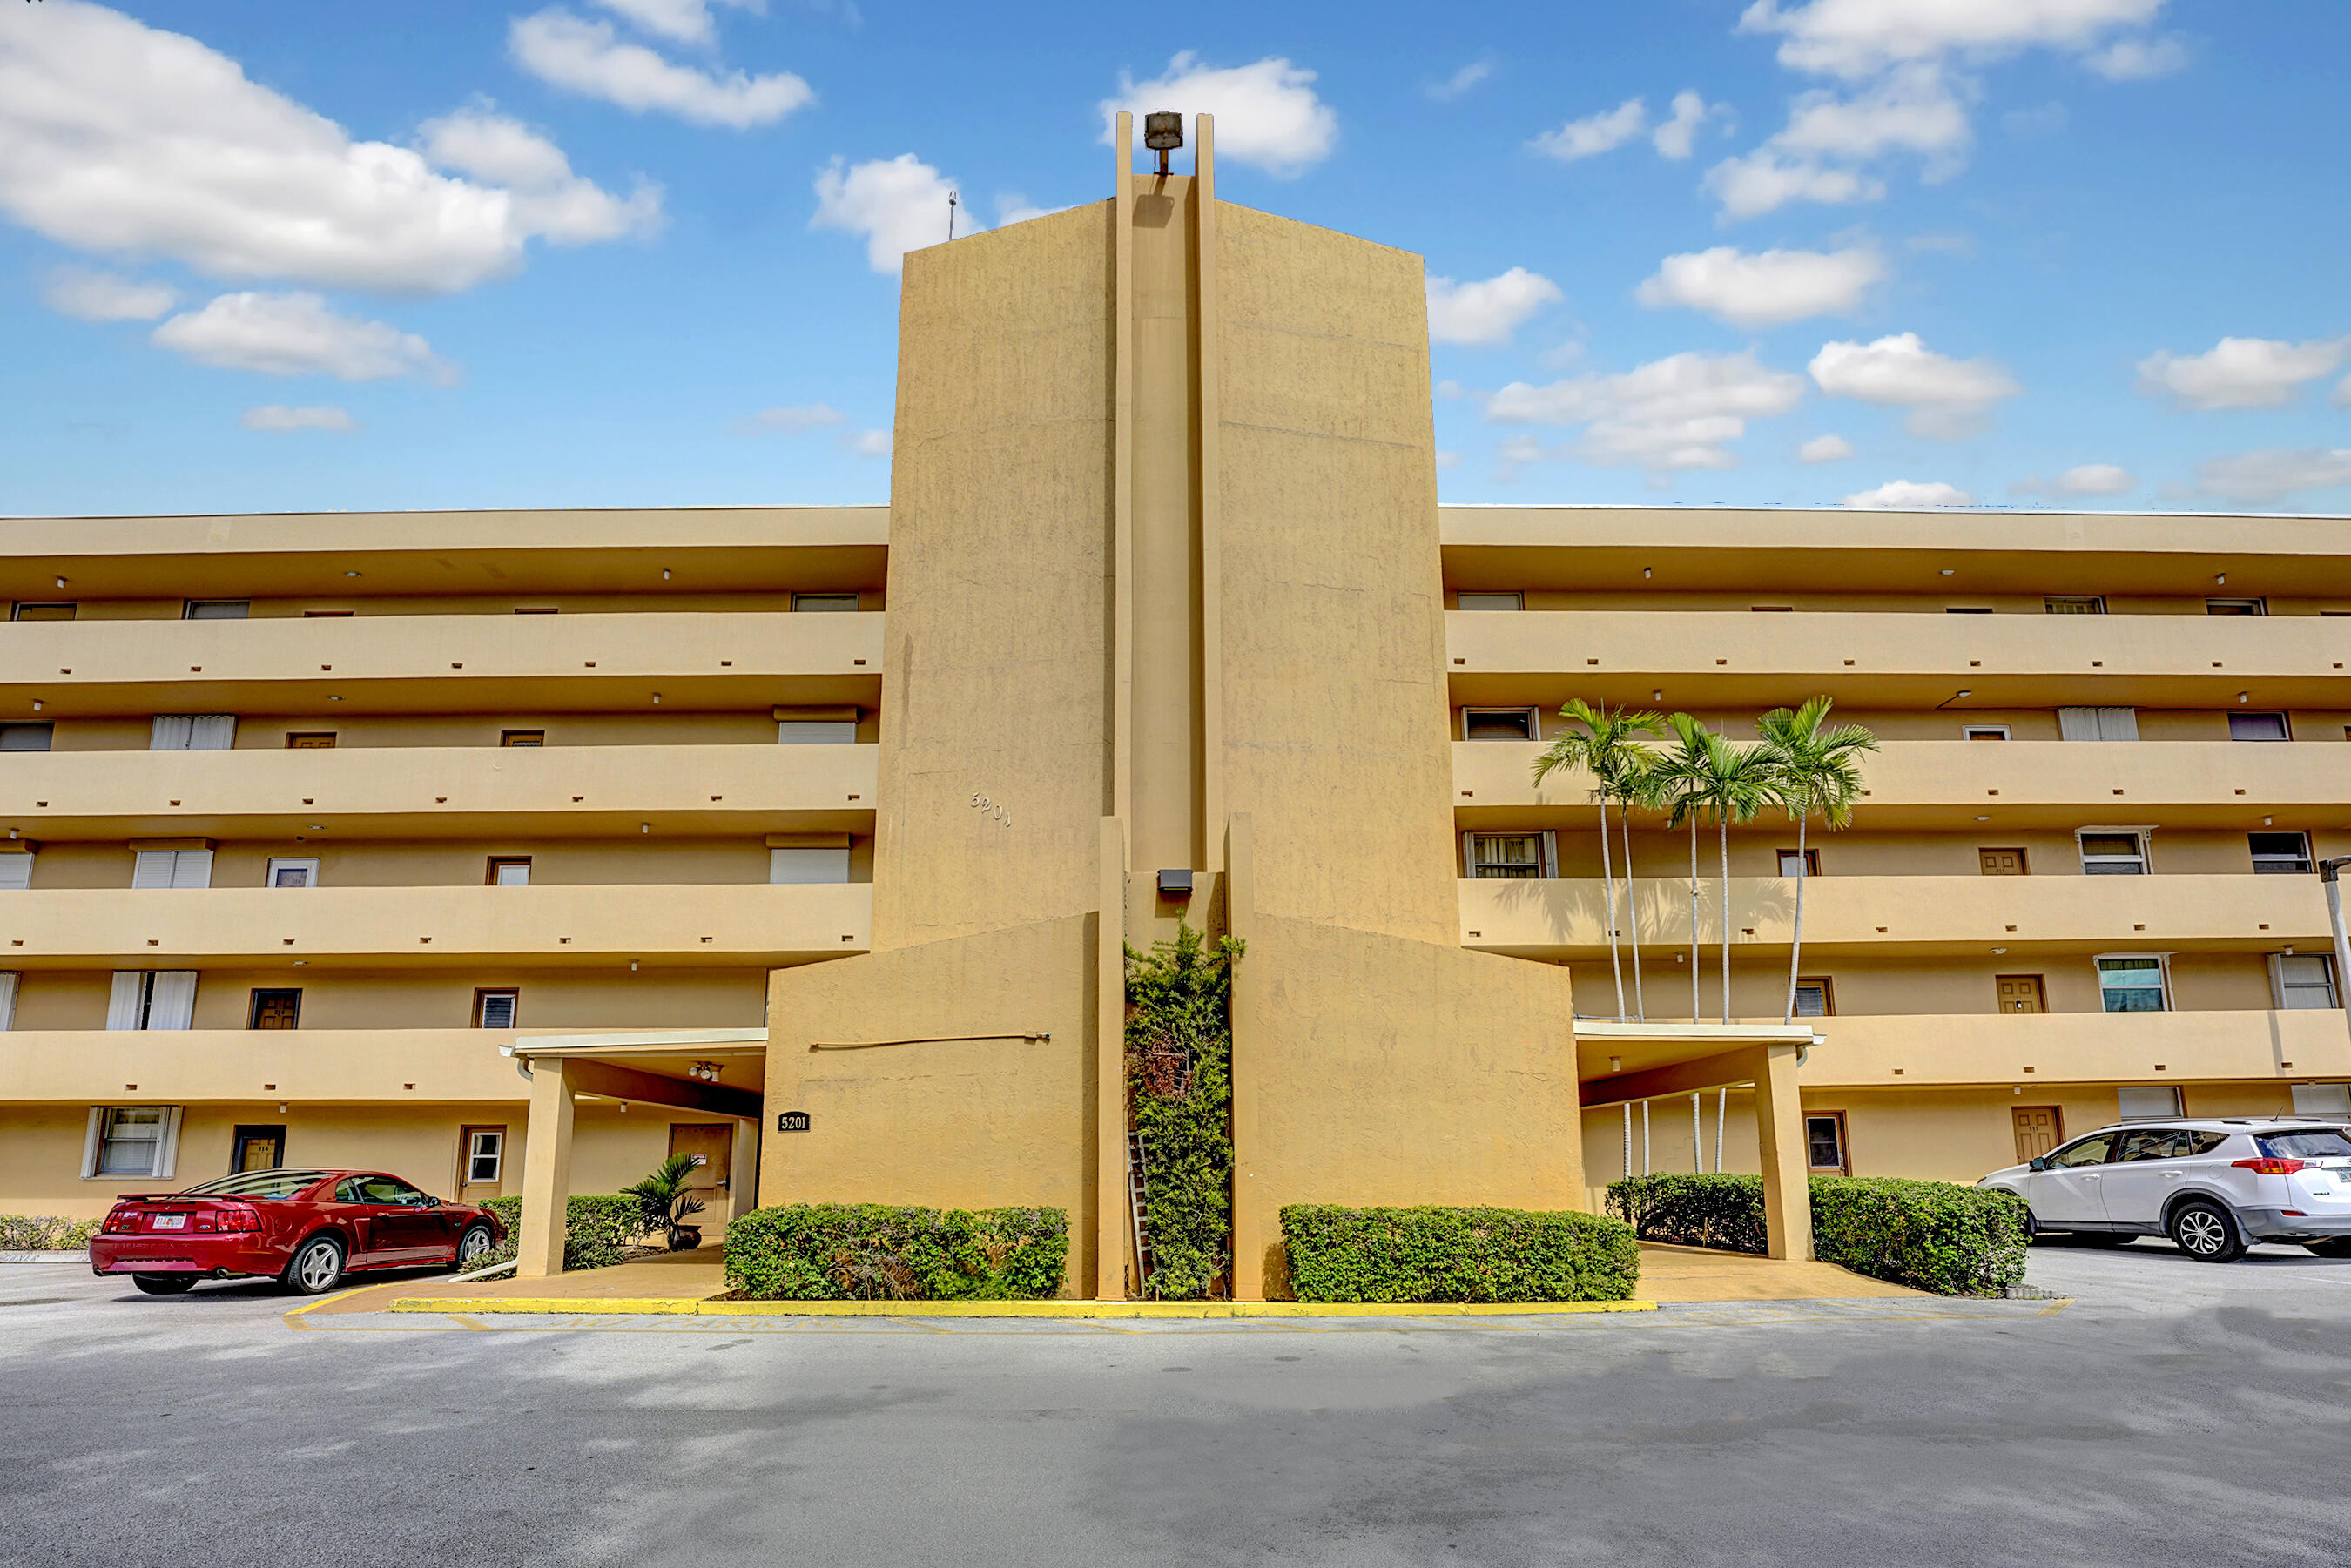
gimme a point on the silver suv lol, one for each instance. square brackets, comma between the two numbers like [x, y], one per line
[2214, 1187]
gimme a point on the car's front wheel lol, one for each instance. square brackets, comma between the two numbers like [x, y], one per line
[2207, 1232]
[471, 1247]
[2333, 1246]
[165, 1284]
[317, 1267]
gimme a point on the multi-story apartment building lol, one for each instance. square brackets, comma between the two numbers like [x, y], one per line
[513, 851]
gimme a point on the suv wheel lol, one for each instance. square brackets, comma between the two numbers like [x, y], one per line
[2207, 1232]
[318, 1265]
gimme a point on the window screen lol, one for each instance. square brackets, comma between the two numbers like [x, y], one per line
[2131, 985]
[2113, 855]
[16, 872]
[1824, 1142]
[2258, 726]
[26, 737]
[2304, 981]
[1812, 999]
[816, 731]
[2321, 1100]
[1507, 857]
[2146, 1101]
[219, 609]
[1499, 724]
[495, 1009]
[2281, 853]
[836, 602]
[1492, 601]
[808, 865]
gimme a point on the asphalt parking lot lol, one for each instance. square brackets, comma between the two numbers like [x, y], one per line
[2172, 1412]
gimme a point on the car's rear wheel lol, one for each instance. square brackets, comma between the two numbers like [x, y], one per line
[165, 1284]
[471, 1245]
[2207, 1232]
[2333, 1247]
[317, 1267]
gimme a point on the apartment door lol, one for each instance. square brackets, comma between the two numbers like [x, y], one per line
[2021, 994]
[2039, 1129]
[2001, 862]
[715, 1141]
[256, 1149]
[481, 1163]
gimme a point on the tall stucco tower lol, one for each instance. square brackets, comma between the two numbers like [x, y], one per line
[1165, 595]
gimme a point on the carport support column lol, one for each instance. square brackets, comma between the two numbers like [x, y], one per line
[545, 1172]
[1787, 1172]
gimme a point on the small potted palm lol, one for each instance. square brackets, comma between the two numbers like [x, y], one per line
[665, 1201]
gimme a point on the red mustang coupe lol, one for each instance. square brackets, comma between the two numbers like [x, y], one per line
[307, 1227]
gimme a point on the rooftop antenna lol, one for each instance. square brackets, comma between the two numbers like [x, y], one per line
[951, 207]
[1163, 132]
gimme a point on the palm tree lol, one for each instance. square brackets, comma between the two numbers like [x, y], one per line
[1729, 783]
[1819, 774]
[1674, 784]
[1634, 784]
[1608, 748]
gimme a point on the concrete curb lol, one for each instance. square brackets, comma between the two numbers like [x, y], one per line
[574, 1306]
[80, 1258]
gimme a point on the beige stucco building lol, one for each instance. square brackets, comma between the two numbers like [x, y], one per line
[511, 850]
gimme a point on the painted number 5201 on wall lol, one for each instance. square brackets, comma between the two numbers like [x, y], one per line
[988, 807]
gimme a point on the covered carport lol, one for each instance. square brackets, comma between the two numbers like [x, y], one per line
[674, 1068]
[1627, 1064]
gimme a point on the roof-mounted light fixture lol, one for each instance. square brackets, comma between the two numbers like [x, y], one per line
[1163, 132]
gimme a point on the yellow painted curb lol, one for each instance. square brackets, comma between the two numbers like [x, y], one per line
[574, 1306]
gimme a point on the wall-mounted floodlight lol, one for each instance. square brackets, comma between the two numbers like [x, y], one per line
[1163, 132]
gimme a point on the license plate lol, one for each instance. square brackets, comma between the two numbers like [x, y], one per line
[171, 1222]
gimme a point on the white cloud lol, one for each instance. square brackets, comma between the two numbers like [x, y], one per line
[1947, 398]
[1824, 449]
[1678, 138]
[117, 137]
[102, 296]
[868, 443]
[2137, 59]
[1905, 495]
[1762, 181]
[2240, 372]
[587, 58]
[2342, 398]
[2088, 479]
[1916, 108]
[1768, 289]
[1448, 389]
[1448, 460]
[686, 21]
[2048, 120]
[1266, 113]
[1461, 82]
[1859, 38]
[790, 420]
[898, 205]
[548, 197]
[277, 417]
[1012, 207]
[297, 335]
[2267, 476]
[1594, 134]
[1486, 312]
[1677, 413]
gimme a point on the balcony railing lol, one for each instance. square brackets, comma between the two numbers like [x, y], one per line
[2029, 1050]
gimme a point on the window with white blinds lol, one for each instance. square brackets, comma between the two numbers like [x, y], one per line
[808, 865]
[2098, 724]
[16, 872]
[131, 1141]
[173, 868]
[192, 732]
[8, 999]
[152, 999]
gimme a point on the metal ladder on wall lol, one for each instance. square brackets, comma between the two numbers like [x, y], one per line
[1137, 1204]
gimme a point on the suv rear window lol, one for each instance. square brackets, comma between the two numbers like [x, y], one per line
[2318, 1143]
[259, 1184]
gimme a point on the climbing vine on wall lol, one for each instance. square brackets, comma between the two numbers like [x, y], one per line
[1179, 1054]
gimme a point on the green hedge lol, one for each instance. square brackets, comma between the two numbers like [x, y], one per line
[598, 1231]
[45, 1233]
[1457, 1255]
[1938, 1235]
[873, 1251]
[1179, 1058]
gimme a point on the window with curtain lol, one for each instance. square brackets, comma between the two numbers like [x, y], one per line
[192, 732]
[152, 999]
[1506, 857]
[2098, 724]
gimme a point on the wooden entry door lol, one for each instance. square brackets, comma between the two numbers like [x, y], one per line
[256, 1149]
[2021, 994]
[2039, 1129]
[715, 1141]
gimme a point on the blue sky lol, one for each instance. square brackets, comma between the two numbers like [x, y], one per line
[274, 256]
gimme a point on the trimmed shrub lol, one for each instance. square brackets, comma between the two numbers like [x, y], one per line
[1457, 1255]
[45, 1233]
[597, 1231]
[1944, 1237]
[882, 1252]
[1179, 1058]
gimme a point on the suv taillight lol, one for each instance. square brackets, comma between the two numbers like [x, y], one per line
[2270, 1165]
[120, 1218]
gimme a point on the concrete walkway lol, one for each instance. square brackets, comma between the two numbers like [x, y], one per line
[1668, 1274]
